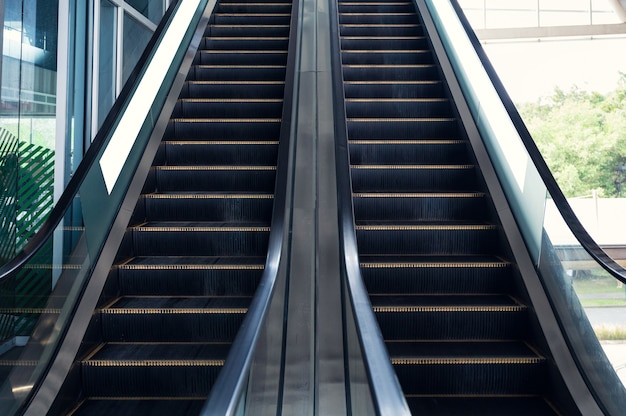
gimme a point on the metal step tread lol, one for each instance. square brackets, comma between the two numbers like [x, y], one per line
[153, 354]
[179, 305]
[445, 303]
[132, 406]
[427, 261]
[484, 405]
[207, 195]
[193, 263]
[435, 352]
[205, 226]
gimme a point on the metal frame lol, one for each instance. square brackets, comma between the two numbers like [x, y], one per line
[122, 9]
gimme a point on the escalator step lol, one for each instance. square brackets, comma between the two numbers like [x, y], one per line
[430, 239]
[413, 178]
[384, 43]
[397, 89]
[398, 108]
[387, 57]
[465, 368]
[196, 239]
[124, 406]
[246, 30]
[223, 129]
[233, 89]
[390, 72]
[190, 276]
[173, 319]
[247, 43]
[405, 152]
[463, 405]
[406, 128]
[227, 108]
[237, 72]
[220, 179]
[426, 206]
[241, 57]
[248, 7]
[450, 317]
[258, 18]
[411, 29]
[377, 18]
[375, 7]
[208, 207]
[149, 370]
[220, 152]
[435, 274]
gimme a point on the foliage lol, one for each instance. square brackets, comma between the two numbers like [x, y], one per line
[582, 136]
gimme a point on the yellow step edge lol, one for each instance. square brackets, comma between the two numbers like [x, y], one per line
[419, 195]
[247, 38]
[432, 227]
[418, 142]
[202, 229]
[153, 363]
[11, 311]
[239, 51]
[53, 266]
[190, 267]
[220, 142]
[207, 196]
[391, 66]
[446, 309]
[466, 361]
[18, 363]
[415, 167]
[432, 265]
[227, 120]
[231, 100]
[215, 168]
[394, 82]
[401, 119]
[242, 66]
[396, 100]
[393, 51]
[173, 311]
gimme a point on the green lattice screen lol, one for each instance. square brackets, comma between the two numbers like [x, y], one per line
[26, 198]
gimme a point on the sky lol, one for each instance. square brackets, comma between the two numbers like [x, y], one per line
[531, 70]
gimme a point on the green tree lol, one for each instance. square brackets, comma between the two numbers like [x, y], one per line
[582, 136]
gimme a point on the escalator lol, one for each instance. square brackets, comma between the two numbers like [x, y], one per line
[445, 290]
[195, 250]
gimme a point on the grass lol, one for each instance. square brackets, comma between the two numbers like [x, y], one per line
[599, 303]
[610, 332]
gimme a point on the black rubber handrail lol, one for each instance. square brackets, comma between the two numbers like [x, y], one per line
[91, 155]
[229, 386]
[387, 395]
[579, 231]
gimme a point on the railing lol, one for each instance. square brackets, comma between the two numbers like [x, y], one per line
[529, 186]
[84, 219]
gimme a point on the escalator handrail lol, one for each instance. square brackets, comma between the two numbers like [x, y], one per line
[64, 203]
[387, 395]
[228, 388]
[579, 231]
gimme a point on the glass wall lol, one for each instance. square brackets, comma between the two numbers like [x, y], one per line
[493, 14]
[64, 62]
[124, 29]
[27, 118]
